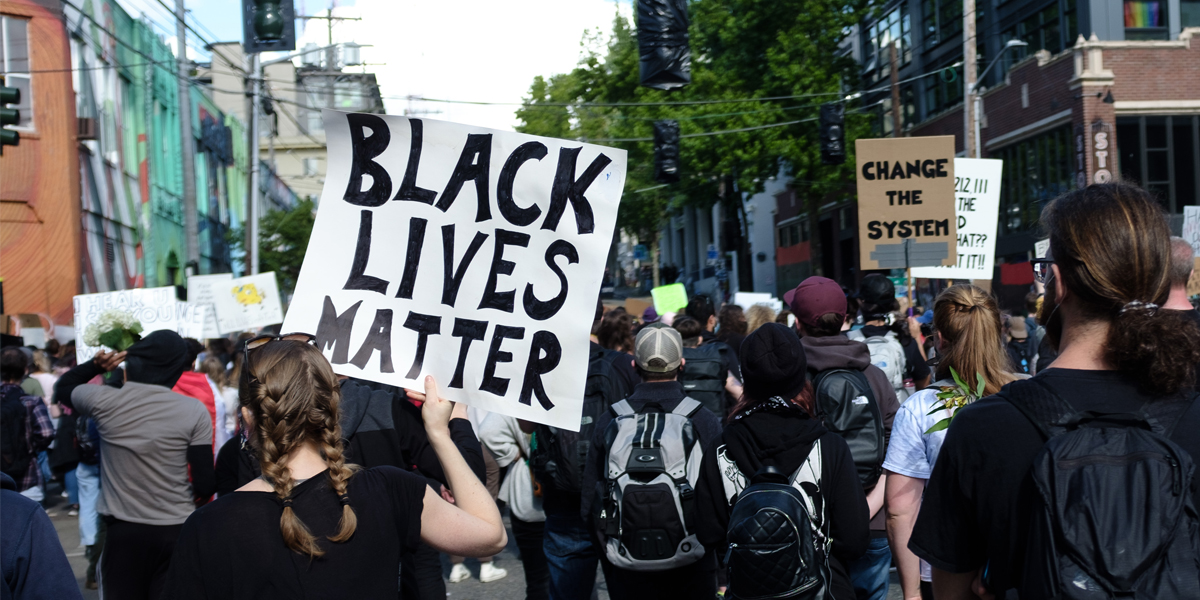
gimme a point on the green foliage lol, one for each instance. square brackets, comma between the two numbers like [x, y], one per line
[954, 398]
[741, 49]
[283, 240]
[121, 339]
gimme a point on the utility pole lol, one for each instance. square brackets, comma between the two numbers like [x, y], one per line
[969, 75]
[331, 71]
[895, 81]
[191, 225]
[252, 193]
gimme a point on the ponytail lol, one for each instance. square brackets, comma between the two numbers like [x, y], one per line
[968, 319]
[1113, 250]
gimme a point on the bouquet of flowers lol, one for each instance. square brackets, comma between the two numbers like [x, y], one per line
[115, 328]
[954, 397]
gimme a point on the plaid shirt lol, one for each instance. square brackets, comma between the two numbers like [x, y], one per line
[39, 433]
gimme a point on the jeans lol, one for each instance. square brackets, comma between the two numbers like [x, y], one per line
[529, 536]
[71, 484]
[869, 572]
[88, 477]
[43, 461]
[571, 555]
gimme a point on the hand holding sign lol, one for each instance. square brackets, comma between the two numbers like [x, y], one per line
[480, 284]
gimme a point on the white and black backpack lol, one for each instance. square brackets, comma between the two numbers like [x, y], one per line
[652, 463]
[778, 534]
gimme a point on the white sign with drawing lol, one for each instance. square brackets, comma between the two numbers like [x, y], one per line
[247, 303]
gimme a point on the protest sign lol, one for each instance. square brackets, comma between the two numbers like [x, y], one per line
[977, 206]
[1041, 248]
[155, 308]
[201, 291]
[906, 202]
[191, 320]
[247, 303]
[669, 298]
[470, 254]
[748, 299]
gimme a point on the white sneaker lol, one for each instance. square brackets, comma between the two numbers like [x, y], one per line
[459, 573]
[489, 572]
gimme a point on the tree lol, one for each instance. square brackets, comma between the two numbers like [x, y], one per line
[782, 55]
[283, 240]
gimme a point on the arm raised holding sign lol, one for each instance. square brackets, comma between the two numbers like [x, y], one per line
[472, 526]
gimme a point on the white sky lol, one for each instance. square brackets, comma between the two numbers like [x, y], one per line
[478, 50]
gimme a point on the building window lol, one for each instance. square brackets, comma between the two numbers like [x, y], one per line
[1189, 13]
[1036, 170]
[311, 167]
[892, 27]
[943, 91]
[943, 20]
[792, 234]
[14, 62]
[1145, 20]
[1161, 154]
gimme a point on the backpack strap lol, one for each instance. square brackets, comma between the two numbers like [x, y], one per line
[623, 409]
[687, 408]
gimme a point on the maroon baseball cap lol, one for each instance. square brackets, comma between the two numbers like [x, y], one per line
[814, 298]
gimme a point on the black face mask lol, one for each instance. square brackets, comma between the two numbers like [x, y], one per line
[1048, 316]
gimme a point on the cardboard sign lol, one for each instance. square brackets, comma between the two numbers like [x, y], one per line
[977, 206]
[669, 298]
[202, 290]
[906, 202]
[470, 254]
[248, 303]
[155, 308]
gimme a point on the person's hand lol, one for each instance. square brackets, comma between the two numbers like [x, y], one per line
[108, 360]
[914, 328]
[435, 410]
[447, 495]
[978, 588]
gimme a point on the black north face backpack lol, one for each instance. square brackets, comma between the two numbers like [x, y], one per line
[848, 407]
[1114, 513]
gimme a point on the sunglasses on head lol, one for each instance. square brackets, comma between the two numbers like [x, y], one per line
[262, 340]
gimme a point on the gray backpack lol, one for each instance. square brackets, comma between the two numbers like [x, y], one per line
[888, 354]
[652, 463]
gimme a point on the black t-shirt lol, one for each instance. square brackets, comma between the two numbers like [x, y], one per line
[976, 508]
[232, 548]
[915, 367]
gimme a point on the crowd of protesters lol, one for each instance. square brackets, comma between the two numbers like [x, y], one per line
[724, 450]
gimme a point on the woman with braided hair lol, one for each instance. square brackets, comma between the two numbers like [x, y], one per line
[313, 526]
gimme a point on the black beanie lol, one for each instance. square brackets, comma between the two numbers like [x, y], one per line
[158, 359]
[773, 363]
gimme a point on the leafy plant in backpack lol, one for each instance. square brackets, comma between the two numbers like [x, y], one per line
[953, 398]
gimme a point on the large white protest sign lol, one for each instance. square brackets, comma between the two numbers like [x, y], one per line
[247, 303]
[202, 290]
[469, 254]
[154, 308]
[977, 204]
[1191, 227]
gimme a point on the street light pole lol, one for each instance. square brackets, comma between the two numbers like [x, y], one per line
[977, 105]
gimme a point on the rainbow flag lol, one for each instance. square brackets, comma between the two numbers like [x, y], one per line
[1141, 13]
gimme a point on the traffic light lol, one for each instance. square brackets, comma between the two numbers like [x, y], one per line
[9, 116]
[666, 151]
[833, 133]
[268, 26]
[664, 57]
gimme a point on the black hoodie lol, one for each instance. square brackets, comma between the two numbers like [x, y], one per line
[782, 438]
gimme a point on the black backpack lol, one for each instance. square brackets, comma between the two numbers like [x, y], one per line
[847, 407]
[558, 456]
[15, 455]
[777, 544]
[704, 374]
[1114, 514]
